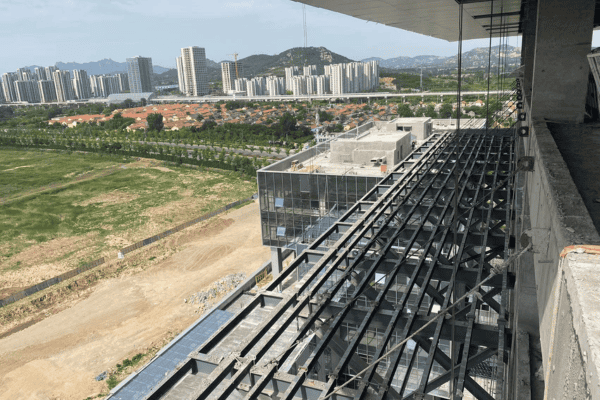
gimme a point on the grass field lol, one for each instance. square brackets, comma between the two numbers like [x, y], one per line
[56, 229]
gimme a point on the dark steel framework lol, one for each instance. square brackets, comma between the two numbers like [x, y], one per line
[429, 232]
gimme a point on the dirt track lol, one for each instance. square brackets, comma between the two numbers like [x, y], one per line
[59, 357]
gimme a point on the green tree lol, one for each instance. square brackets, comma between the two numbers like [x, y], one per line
[404, 111]
[155, 122]
[446, 110]
[430, 112]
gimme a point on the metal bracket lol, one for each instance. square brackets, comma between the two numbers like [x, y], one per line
[524, 131]
[525, 164]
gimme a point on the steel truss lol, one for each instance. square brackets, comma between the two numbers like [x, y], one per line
[428, 233]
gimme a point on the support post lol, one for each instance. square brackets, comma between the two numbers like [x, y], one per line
[560, 71]
[276, 261]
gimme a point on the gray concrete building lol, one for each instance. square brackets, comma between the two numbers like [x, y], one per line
[27, 91]
[140, 72]
[64, 86]
[81, 84]
[123, 82]
[195, 74]
[47, 91]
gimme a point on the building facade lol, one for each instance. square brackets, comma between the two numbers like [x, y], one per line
[81, 84]
[230, 71]
[195, 74]
[8, 86]
[27, 91]
[63, 85]
[47, 91]
[139, 70]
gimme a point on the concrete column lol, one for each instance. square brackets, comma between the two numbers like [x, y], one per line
[560, 72]
[528, 46]
[276, 261]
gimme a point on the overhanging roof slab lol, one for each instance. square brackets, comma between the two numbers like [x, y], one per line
[436, 18]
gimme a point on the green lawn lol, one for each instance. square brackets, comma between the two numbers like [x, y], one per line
[132, 203]
[21, 171]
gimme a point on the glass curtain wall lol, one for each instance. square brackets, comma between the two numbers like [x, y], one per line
[296, 208]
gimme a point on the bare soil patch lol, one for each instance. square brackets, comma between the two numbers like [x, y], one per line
[23, 166]
[136, 305]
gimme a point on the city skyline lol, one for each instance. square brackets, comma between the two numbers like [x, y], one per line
[276, 26]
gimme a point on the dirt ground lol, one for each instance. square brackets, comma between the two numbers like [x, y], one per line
[58, 357]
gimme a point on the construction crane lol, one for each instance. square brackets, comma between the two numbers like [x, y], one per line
[237, 75]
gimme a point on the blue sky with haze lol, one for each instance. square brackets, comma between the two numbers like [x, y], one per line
[43, 32]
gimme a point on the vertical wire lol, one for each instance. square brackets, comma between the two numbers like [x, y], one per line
[487, 102]
[455, 222]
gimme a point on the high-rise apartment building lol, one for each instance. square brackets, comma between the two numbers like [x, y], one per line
[63, 85]
[140, 73]
[123, 82]
[299, 85]
[40, 73]
[338, 78]
[2, 99]
[107, 85]
[180, 75]
[194, 75]
[47, 91]
[50, 72]
[81, 84]
[323, 84]
[240, 84]
[290, 72]
[27, 91]
[8, 86]
[310, 70]
[230, 73]
[354, 77]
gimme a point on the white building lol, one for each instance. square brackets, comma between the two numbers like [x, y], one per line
[323, 84]
[299, 85]
[47, 91]
[180, 75]
[290, 72]
[194, 71]
[81, 84]
[63, 86]
[354, 77]
[8, 86]
[338, 78]
[241, 85]
[310, 70]
[229, 73]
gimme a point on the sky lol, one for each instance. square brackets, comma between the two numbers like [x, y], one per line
[43, 32]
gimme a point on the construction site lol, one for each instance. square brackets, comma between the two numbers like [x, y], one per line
[425, 259]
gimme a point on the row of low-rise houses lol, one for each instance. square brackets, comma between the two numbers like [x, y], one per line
[49, 84]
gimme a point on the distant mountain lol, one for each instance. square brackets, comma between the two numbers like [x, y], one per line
[263, 64]
[476, 58]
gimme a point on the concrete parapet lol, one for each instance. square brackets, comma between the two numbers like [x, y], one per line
[558, 218]
[572, 366]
